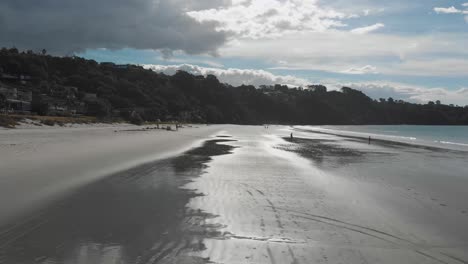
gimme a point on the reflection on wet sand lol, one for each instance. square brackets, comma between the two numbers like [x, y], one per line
[136, 216]
[327, 153]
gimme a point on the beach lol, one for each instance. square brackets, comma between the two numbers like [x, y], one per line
[228, 194]
[38, 164]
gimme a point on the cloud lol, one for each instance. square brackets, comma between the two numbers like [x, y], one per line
[451, 67]
[406, 92]
[368, 29]
[450, 10]
[234, 77]
[337, 51]
[271, 18]
[447, 10]
[361, 70]
[65, 26]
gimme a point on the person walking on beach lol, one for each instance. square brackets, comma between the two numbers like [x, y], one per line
[292, 136]
[369, 140]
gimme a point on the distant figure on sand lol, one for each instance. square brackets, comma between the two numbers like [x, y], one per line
[292, 136]
[369, 140]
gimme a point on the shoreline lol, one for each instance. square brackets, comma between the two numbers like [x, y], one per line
[385, 141]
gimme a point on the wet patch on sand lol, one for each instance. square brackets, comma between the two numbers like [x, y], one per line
[224, 136]
[327, 153]
[136, 216]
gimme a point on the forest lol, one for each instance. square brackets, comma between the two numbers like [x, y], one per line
[107, 90]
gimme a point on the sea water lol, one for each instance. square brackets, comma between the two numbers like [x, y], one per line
[441, 136]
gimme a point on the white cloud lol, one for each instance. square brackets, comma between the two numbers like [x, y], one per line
[271, 18]
[338, 51]
[450, 10]
[231, 76]
[430, 67]
[374, 11]
[446, 10]
[368, 29]
[361, 70]
[406, 92]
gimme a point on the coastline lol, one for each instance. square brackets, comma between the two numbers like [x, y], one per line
[404, 141]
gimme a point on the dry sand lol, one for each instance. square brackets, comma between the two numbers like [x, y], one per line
[36, 164]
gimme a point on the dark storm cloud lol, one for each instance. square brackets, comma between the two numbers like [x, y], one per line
[65, 26]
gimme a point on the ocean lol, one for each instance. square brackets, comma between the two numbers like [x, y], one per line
[452, 137]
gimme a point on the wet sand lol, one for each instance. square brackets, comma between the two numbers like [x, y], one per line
[252, 195]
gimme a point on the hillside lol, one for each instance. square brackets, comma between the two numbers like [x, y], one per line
[70, 86]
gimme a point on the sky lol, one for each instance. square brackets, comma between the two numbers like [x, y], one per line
[410, 50]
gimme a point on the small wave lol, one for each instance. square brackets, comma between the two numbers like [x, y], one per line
[425, 141]
[357, 133]
[452, 143]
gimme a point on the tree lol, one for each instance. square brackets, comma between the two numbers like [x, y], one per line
[99, 108]
[317, 88]
[197, 98]
[2, 101]
[13, 51]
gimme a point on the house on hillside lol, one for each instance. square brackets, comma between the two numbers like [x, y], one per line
[24, 79]
[18, 106]
[13, 78]
[107, 64]
[58, 109]
[24, 95]
[9, 93]
[121, 66]
[64, 92]
[8, 77]
[16, 101]
[115, 66]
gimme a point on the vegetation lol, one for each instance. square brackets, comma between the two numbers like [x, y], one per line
[10, 121]
[137, 94]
